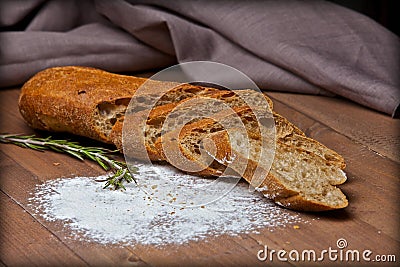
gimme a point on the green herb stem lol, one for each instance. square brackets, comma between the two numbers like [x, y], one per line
[120, 175]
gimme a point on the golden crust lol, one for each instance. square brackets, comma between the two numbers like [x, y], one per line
[300, 203]
[65, 98]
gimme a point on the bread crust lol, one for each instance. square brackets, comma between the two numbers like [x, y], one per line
[63, 99]
[68, 99]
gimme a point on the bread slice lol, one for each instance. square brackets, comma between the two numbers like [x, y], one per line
[168, 117]
[255, 123]
[151, 123]
[89, 102]
[298, 179]
[289, 134]
[286, 133]
[191, 138]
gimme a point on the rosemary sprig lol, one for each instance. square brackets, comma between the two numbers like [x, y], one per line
[120, 173]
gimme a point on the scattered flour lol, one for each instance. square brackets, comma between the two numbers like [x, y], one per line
[133, 216]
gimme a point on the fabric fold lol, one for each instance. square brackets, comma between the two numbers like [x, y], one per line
[313, 47]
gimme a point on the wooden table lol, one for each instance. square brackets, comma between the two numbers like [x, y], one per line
[368, 140]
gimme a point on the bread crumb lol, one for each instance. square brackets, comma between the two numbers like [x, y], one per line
[56, 163]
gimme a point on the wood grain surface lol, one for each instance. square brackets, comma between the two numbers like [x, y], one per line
[369, 141]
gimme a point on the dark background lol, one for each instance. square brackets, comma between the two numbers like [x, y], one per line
[385, 12]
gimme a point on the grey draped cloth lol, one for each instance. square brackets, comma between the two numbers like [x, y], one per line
[312, 47]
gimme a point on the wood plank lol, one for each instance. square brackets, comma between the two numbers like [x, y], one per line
[379, 132]
[214, 251]
[25, 242]
[18, 183]
[10, 118]
[48, 165]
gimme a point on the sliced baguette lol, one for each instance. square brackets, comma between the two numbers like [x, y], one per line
[93, 103]
[286, 133]
[298, 179]
[153, 122]
[192, 134]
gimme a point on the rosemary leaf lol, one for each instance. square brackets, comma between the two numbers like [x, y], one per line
[34, 147]
[57, 149]
[89, 155]
[120, 173]
[75, 154]
[102, 164]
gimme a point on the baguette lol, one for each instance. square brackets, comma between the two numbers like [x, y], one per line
[286, 133]
[94, 103]
[298, 179]
[152, 122]
[89, 102]
[68, 99]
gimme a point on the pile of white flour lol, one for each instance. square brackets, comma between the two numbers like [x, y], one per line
[132, 216]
